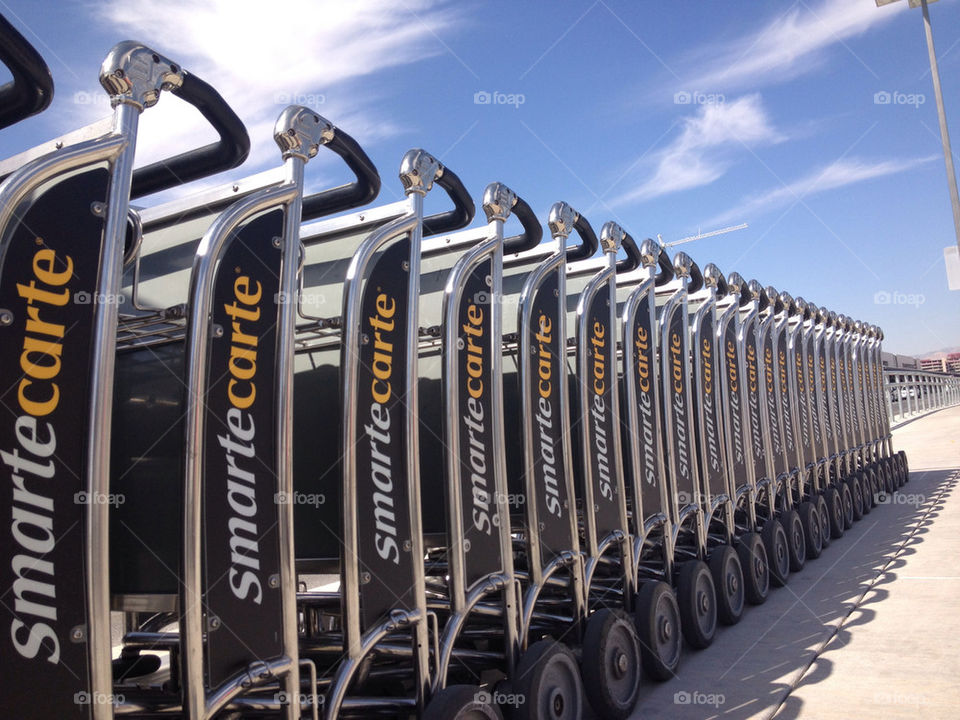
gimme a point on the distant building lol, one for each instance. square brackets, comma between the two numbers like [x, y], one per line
[934, 364]
[952, 363]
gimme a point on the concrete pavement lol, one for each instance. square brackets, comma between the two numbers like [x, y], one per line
[871, 629]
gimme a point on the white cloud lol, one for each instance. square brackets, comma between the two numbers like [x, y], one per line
[700, 153]
[262, 57]
[839, 174]
[792, 44]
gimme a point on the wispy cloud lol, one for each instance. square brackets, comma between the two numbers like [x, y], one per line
[701, 153]
[844, 172]
[791, 44]
[261, 58]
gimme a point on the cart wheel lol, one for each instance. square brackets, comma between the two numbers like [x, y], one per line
[462, 702]
[896, 464]
[847, 499]
[796, 539]
[856, 493]
[889, 478]
[697, 598]
[548, 682]
[811, 529]
[835, 505]
[865, 505]
[871, 488]
[756, 570]
[778, 553]
[904, 465]
[658, 626]
[728, 579]
[823, 513]
[611, 664]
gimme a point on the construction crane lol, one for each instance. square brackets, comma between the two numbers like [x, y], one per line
[700, 235]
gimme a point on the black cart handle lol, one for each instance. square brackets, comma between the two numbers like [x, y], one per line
[712, 272]
[684, 264]
[228, 152]
[361, 191]
[31, 90]
[588, 240]
[666, 267]
[633, 259]
[532, 229]
[757, 291]
[463, 207]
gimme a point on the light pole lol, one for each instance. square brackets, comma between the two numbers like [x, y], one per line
[938, 95]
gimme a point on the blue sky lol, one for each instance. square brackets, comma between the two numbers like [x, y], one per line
[667, 117]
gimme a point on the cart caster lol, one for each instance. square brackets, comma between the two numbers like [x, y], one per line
[796, 539]
[778, 553]
[865, 497]
[889, 478]
[904, 466]
[756, 570]
[728, 580]
[811, 529]
[823, 514]
[658, 626]
[871, 488]
[611, 664]
[856, 494]
[846, 499]
[835, 505]
[462, 702]
[548, 680]
[697, 598]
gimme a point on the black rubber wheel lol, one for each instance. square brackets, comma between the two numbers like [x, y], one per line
[835, 509]
[778, 551]
[904, 465]
[611, 664]
[856, 494]
[865, 502]
[870, 488]
[728, 580]
[890, 478]
[811, 529]
[697, 598]
[756, 570]
[548, 681]
[657, 618]
[847, 499]
[462, 702]
[823, 513]
[899, 470]
[796, 539]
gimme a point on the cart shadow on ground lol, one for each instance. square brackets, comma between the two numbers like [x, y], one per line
[752, 667]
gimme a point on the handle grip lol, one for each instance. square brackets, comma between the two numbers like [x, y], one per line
[532, 229]
[228, 152]
[633, 258]
[666, 268]
[463, 207]
[714, 277]
[696, 278]
[588, 241]
[361, 191]
[31, 90]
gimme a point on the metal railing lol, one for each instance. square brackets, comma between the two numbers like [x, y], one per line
[912, 393]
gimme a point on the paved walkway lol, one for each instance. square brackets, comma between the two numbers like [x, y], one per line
[871, 629]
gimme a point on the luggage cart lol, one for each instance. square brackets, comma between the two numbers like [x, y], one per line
[780, 425]
[839, 498]
[66, 229]
[735, 424]
[369, 639]
[31, 89]
[470, 579]
[764, 489]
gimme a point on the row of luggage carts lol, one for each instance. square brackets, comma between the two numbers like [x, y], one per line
[328, 457]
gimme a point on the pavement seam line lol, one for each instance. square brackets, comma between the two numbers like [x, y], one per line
[823, 646]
